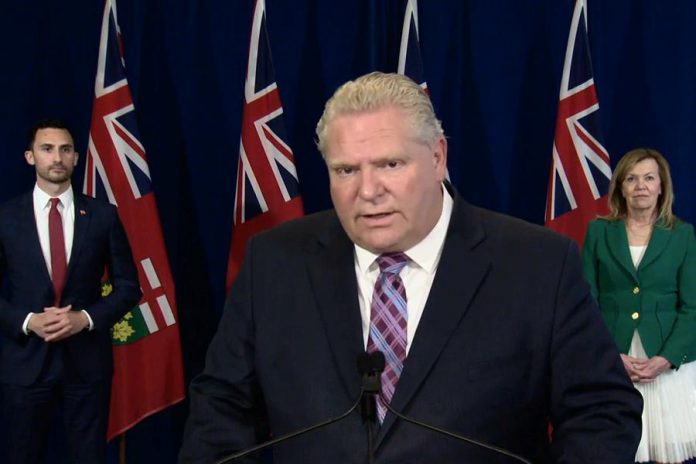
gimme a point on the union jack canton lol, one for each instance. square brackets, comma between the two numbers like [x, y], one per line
[580, 167]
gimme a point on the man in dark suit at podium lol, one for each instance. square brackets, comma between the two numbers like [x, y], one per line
[486, 323]
[56, 350]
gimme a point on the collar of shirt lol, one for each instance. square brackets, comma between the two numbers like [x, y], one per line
[42, 200]
[426, 253]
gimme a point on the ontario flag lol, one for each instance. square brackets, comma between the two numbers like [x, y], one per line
[410, 61]
[148, 373]
[267, 189]
[580, 166]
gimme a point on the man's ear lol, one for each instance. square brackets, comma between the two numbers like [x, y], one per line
[440, 157]
[29, 157]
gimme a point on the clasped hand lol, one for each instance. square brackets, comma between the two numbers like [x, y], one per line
[56, 324]
[644, 370]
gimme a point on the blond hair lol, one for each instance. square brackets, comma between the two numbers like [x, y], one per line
[379, 90]
[618, 209]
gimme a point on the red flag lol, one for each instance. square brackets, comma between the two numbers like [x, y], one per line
[148, 372]
[580, 167]
[267, 191]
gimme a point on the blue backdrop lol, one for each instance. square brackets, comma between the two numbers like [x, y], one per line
[493, 69]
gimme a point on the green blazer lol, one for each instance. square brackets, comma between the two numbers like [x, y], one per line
[658, 298]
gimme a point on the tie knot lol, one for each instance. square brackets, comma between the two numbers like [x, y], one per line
[392, 263]
[55, 202]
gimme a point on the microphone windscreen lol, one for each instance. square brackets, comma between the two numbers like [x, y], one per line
[377, 361]
[364, 363]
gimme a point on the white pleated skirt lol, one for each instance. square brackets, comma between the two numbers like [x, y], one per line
[669, 413]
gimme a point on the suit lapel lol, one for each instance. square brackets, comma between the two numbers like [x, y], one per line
[658, 242]
[617, 243]
[82, 220]
[332, 274]
[463, 266]
[27, 225]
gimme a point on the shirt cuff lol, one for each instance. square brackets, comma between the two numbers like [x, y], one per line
[90, 326]
[25, 326]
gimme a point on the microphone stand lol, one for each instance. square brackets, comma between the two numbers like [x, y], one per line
[456, 436]
[370, 366]
[290, 435]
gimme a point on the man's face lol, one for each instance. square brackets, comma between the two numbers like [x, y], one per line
[385, 184]
[53, 156]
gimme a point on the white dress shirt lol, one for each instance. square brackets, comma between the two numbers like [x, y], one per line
[417, 275]
[66, 208]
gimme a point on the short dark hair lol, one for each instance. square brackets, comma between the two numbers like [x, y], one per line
[46, 124]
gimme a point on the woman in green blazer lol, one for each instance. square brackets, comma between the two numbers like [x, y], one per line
[640, 261]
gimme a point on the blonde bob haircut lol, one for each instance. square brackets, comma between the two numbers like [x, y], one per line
[379, 90]
[617, 203]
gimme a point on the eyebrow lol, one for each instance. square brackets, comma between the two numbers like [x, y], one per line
[644, 174]
[49, 144]
[633, 174]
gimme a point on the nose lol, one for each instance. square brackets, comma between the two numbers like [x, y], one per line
[371, 186]
[56, 157]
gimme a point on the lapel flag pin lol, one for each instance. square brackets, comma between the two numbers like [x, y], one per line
[83, 212]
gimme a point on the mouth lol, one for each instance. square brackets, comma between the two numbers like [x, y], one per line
[376, 215]
[376, 218]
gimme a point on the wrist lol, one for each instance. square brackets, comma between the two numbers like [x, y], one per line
[89, 324]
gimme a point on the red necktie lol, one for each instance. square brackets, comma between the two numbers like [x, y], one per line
[56, 239]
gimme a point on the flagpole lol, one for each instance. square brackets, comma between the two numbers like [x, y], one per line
[122, 449]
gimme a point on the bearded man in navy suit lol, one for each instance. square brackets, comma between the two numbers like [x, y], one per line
[501, 334]
[55, 245]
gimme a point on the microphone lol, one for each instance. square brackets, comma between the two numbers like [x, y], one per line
[370, 366]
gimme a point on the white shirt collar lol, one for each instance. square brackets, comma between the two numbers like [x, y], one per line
[42, 199]
[426, 253]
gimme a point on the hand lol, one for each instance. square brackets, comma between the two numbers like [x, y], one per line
[649, 369]
[56, 324]
[630, 364]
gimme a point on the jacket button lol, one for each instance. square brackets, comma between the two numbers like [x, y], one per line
[635, 316]
[636, 290]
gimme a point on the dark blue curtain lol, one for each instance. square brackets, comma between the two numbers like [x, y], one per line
[493, 69]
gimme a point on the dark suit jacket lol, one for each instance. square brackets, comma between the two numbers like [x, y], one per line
[509, 338]
[658, 298]
[99, 242]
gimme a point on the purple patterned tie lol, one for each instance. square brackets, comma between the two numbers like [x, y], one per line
[388, 317]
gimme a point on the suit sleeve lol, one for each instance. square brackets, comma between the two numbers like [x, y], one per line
[680, 345]
[106, 311]
[595, 410]
[227, 412]
[12, 316]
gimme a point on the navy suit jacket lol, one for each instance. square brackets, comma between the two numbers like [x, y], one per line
[510, 338]
[99, 243]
